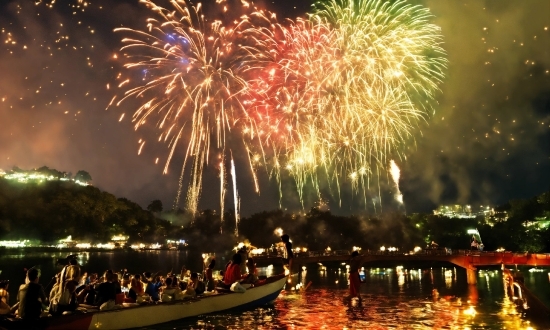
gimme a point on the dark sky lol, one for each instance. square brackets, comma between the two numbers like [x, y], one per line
[488, 140]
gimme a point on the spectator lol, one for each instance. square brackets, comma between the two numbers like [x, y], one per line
[32, 298]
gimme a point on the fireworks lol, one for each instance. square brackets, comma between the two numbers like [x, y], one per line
[191, 80]
[346, 89]
[326, 100]
[395, 174]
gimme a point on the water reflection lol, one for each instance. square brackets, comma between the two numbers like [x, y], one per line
[398, 298]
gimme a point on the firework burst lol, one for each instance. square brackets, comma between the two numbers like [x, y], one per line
[326, 100]
[191, 81]
[345, 90]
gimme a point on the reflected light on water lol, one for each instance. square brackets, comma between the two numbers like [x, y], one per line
[395, 298]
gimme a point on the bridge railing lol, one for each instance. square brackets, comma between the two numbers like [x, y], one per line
[424, 252]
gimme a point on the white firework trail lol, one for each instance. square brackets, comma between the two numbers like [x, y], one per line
[395, 174]
[235, 196]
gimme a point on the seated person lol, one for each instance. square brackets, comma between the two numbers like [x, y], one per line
[136, 288]
[86, 294]
[233, 273]
[210, 284]
[4, 298]
[68, 301]
[82, 280]
[195, 286]
[252, 275]
[105, 293]
[151, 287]
[31, 296]
[125, 280]
[170, 292]
[116, 282]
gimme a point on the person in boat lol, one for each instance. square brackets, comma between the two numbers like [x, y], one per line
[195, 285]
[4, 294]
[116, 282]
[4, 298]
[170, 292]
[125, 283]
[136, 288]
[244, 256]
[252, 275]
[209, 275]
[82, 280]
[184, 274]
[288, 255]
[71, 272]
[151, 286]
[87, 293]
[32, 298]
[233, 273]
[225, 269]
[68, 301]
[106, 292]
[354, 279]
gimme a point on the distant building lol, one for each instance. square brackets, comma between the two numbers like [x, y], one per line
[465, 211]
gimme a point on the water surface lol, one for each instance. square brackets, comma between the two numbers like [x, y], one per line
[393, 298]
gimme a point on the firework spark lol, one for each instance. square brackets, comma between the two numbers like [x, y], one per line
[395, 174]
[190, 82]
[344, 90]
[326, 100]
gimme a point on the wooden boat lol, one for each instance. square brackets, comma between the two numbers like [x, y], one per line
[151, 314]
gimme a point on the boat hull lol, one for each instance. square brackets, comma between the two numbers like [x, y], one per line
[147, 315]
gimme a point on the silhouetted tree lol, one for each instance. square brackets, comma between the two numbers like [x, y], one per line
[83, 176]
[155, 206]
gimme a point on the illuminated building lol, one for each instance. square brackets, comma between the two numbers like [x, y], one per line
[464, 211]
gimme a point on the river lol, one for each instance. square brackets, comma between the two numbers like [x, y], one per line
[393, 298]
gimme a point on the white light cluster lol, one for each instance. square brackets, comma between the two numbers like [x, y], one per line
[26, 177]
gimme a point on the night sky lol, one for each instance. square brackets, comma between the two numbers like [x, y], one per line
[487, 142]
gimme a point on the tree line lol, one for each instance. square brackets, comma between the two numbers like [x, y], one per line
[52, 210]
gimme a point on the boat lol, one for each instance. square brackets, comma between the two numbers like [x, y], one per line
[144, 315]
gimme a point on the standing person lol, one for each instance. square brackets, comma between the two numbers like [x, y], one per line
[354, 279]
[288, 255]
[32, 298]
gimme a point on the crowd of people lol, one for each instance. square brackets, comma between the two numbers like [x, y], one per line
[75, 289]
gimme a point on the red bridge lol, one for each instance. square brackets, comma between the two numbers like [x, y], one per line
[468, 259]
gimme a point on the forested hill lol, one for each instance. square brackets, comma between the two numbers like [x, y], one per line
[50, 210]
